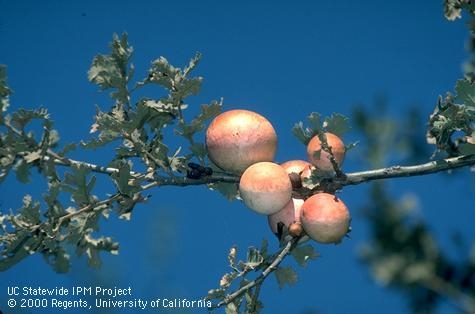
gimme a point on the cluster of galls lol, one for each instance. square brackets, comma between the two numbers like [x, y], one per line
[245, 143]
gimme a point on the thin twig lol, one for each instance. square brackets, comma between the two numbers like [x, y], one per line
[140, 148]
[87, 208]
[93, 167]
[268, 270]
[462, 301]
[327, 148]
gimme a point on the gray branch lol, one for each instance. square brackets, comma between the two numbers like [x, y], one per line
[337, 182]
[408, 171]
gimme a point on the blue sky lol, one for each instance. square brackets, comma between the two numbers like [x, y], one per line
[282, 59]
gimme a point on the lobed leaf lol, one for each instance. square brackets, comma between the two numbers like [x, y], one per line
[465, 92]
[22, 171]
[92, 248]
[229, 190]
[59, 260]
[125, 183]
[76, 183]
[5, 91]
[337, 124]
[452, 9]
[451, 126]
[199, 122]
[192, 64]
[231, 308]
[285, 276]
[19, 246]
[302, 254]
[51, 198]
[112, 70]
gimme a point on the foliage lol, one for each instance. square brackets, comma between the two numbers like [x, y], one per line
[452, 126]
[336, 124]
[45, 226]
[402, 252]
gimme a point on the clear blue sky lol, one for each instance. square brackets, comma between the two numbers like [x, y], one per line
[284, 60]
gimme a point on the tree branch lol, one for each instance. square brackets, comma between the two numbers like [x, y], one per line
[462, 301]
[285, 250]
[407, 171]
[351, 178]
[328, 184]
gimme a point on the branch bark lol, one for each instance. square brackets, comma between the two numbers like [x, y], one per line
[409, 171]
[337, 182]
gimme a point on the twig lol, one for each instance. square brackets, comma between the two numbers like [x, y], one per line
[408, 171]
[353, 178]
[93, 167]
[268, 270]
[140, 148]
[327, 148]
[463, 302]
[84, 209]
